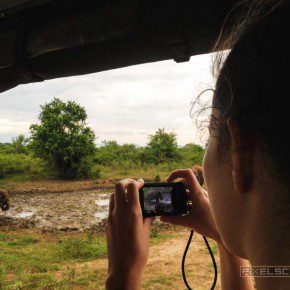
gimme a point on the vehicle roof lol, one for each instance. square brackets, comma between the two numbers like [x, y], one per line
[45, 39]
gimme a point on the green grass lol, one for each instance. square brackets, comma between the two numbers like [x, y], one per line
[110, 162]
[108, 174]
[82, 248]
[31, 260]
[28, 262]
[147, 171]
[214, 247]
[161, 282]
[157, 235]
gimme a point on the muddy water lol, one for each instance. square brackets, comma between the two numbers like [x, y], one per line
[58, 211]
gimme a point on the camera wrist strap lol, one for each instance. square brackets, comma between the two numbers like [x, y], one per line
[212, 257]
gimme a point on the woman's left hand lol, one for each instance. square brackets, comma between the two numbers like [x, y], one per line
[127, 237]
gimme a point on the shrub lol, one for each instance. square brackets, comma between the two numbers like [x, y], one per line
[157, 178]
[19, 164]
[19, 144]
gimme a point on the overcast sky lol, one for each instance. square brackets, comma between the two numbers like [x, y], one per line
[126, 104]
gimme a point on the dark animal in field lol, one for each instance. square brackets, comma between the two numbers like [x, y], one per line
[198, 172]
[4, 200]
[154, 197]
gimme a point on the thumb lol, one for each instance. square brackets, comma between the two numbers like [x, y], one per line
[141, 182]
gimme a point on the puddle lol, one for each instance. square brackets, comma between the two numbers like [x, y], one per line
[102, 202]
[76, 210]
[101, 215]
[24, 215]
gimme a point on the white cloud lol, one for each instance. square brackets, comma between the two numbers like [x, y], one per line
[8, 126]
[125, 104]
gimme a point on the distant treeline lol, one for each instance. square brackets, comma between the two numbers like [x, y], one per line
[18, 157]
[63, 146]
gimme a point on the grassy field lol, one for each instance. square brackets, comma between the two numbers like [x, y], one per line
[37, 259]
[110, 162]
[31, 259]
[108, 177]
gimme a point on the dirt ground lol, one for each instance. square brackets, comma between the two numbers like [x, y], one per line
[163, 271]
[76, 206]
[166, 258]
[67, 210]
[44, 186]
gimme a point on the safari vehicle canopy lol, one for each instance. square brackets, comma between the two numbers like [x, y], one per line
[45, 39]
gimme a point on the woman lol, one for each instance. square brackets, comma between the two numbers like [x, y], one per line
[246, 167]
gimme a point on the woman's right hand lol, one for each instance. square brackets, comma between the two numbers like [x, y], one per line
[199, 217]
[201, 220]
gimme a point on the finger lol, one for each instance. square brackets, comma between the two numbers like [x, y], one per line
[188, 193]
[148, 221]
[176, 220]
[123, 192]
[205, 193]
[119, 200]
[141, 181]
[198, 172]
[185, 174]
[190, 178]
[133, 192]
[111, 204]
[182, 180]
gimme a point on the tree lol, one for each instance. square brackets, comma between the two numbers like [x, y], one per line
[111, 153]
[106, 153]
[192, 152]
[162, 146]
[19, 144]
[63, 139]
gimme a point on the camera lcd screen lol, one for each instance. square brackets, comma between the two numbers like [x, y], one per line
[158, 199]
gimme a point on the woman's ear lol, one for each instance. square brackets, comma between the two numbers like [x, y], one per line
[241, 155]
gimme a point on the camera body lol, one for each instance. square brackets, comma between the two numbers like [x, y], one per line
[161, 199]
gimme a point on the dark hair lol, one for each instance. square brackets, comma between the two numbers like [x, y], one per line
[252, 84]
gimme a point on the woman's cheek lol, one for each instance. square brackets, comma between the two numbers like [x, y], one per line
[208, 167]
[217, 173]
[213, 178]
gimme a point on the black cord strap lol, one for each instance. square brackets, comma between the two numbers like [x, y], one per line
[212, 257]
[183, 259]
[213, 262]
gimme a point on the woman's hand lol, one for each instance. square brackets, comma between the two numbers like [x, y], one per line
[201, 220]
[127, 237]
[200, 217]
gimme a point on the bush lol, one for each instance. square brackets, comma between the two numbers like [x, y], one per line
[161, 150]
[20, 164]
[19, 144]
[157, 178]
[112, 153]
[192, 152]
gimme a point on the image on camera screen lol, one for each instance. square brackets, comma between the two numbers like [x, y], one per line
[158, 200]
